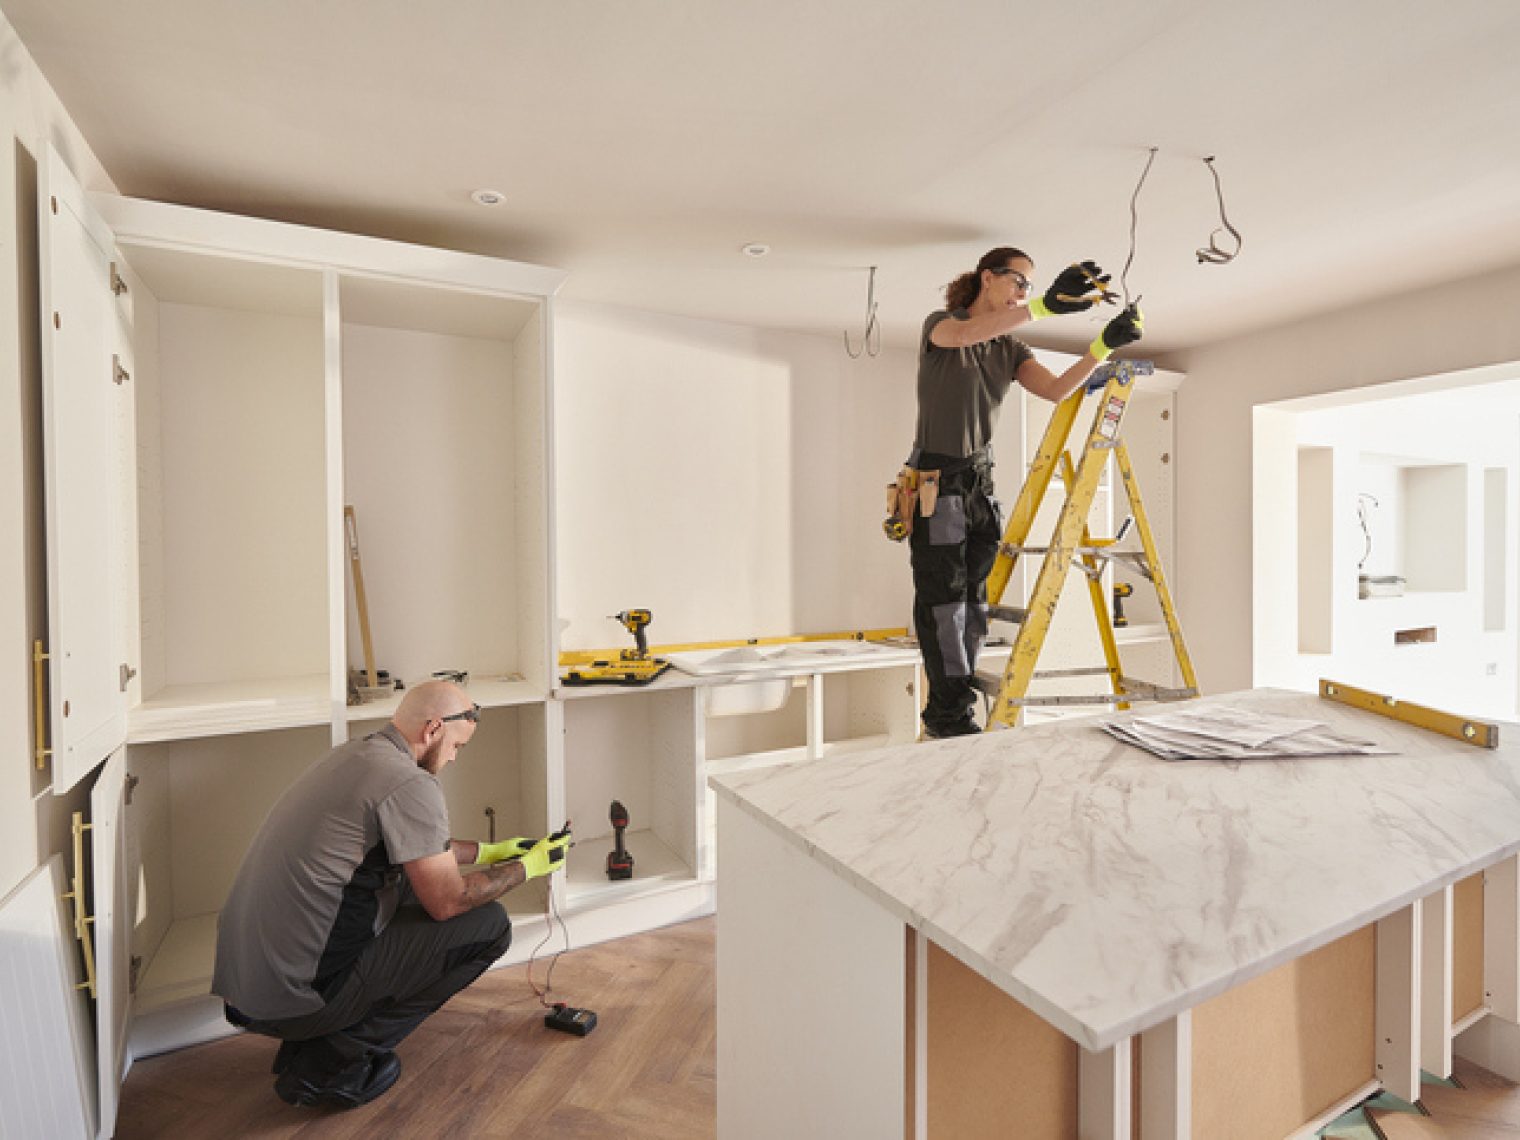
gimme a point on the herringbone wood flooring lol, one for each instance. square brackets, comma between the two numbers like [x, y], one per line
[485, 1066]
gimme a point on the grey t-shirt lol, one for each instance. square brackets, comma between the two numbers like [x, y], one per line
[322, 877]
[961, 389]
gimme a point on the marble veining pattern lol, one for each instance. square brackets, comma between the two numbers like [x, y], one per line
[1108, 890]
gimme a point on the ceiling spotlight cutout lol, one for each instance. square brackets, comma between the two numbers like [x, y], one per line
[488, 197]
[756, 249]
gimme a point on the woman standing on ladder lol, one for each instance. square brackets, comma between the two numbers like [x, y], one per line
[967, 361]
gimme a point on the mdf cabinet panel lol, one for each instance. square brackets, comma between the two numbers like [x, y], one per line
[83, 397]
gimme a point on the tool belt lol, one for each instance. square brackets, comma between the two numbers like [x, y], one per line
[913, 493]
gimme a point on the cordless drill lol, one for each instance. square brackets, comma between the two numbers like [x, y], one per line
[619, 859]
[634, 622]
[1122, 590]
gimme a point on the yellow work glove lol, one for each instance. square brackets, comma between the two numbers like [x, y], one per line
[547, 855]
[1123, 329]
[1077, 288]
[488, 853]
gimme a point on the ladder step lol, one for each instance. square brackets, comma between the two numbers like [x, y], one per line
[1008, 613]
[1134, 690]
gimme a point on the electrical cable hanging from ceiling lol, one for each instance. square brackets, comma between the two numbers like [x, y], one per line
[1213, 255]
[868, 345]
[1134, 225]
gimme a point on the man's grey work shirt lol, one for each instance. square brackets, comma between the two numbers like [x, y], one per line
[961, 389]
[322, 877]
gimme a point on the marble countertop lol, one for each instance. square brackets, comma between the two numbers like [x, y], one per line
[1108, 890]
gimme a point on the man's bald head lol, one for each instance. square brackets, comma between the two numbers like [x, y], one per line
[427, 702]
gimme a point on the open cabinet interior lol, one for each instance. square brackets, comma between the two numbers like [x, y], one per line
[231, 489]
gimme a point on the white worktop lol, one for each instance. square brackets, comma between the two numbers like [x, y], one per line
[1107, 890]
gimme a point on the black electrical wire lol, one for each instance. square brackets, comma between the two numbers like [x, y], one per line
[1213, 255]
[1134, 225]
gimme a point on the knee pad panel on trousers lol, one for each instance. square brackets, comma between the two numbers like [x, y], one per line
[947, 525]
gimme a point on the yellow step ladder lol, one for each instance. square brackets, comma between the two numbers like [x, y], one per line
[1072, 544]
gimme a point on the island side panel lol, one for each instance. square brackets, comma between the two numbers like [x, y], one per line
[812, 997]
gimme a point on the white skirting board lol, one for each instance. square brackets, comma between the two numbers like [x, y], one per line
[47, 1056]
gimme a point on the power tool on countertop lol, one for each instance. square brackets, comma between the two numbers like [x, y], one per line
[619, 859]
[630, 666]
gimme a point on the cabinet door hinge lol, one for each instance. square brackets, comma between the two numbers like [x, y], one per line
[119, 375]
[118, 286]
[127, 673]
[131, 786]
[134, 973]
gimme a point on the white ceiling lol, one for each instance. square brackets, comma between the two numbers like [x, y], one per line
[1367, 147]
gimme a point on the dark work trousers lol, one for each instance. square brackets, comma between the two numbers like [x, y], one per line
[952, 553]
[404, 975]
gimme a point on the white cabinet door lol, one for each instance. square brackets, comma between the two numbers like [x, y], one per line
[113, 899]
[81, 404]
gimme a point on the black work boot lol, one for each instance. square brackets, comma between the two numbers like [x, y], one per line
[311, 1079]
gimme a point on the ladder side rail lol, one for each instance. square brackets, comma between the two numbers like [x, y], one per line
[1052, 576]
[1095, 592]
[1157, 575]
[1032, 494]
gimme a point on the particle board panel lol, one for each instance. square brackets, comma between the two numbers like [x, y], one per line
[1272, 1054]
[1467, 947]
[992, 1062]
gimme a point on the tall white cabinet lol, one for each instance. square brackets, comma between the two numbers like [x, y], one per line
[217, 391]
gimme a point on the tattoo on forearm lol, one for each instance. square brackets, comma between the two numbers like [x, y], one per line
[492, 882]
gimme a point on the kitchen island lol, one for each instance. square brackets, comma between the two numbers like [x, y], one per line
[1045, 932]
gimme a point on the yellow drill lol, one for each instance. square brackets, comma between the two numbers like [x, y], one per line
[634, 622]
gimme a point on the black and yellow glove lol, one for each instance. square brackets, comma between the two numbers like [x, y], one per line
[488, 853]
[1075, 290]
[547, 855]
[1122, 330]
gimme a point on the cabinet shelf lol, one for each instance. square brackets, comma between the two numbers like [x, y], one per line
[656, 868]
[182, 712]
[485, 693]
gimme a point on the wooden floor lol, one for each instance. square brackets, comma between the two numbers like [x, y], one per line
[1487, 1108]
[485, 1065]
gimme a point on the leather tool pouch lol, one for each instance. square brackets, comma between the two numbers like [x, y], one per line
[914, 493]
[902, 498]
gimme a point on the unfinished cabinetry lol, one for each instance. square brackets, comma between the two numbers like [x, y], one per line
[218, 390]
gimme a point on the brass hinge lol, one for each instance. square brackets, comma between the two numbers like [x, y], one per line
[119, 375]
[118, 286]
[132, 782]
[127, 673]
[40, 750]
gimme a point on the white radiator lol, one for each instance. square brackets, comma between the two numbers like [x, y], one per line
[47, 1064]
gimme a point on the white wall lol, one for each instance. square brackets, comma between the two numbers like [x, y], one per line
[1393, 449]
[728, 478]
[30, 117]
[1445, 328]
